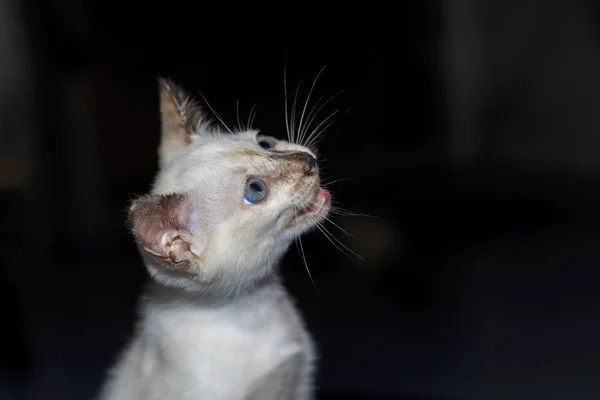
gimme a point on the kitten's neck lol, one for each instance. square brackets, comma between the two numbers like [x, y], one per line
[208, 294]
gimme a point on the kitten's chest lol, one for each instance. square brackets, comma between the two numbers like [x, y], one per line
[238, 344]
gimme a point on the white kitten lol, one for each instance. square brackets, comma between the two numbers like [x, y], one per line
[216, 323]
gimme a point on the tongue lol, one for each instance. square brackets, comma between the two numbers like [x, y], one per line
[322, 198]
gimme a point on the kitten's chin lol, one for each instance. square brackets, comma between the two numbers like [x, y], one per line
[314, 212]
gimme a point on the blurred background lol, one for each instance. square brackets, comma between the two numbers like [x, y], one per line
[479, 202]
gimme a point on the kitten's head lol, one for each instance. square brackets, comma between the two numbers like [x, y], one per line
[224, 207]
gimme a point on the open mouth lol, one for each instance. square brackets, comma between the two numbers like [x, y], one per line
[320, 202]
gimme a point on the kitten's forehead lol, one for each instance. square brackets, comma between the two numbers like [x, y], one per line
[226, 158]
[243, 147]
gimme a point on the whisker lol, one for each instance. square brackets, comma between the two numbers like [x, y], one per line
[316, 132]
[250, 118]
[298, 241]
[317, 139]
[237, 114]
[320, 129]
[293, 113]
[306, 104]
[340, 228]
[320, 226]
[333, 241]
[328, 183]
[310, 115]
[331, 237]
[345, 213]
[285, 99]
[215, 113]
[310, 118]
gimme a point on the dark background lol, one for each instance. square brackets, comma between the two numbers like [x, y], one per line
[480, 271]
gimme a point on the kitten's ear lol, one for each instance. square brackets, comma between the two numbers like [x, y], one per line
[180, 118]
[160, 226]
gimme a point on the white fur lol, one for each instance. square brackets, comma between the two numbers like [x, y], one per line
[228, 330]
[189, 351]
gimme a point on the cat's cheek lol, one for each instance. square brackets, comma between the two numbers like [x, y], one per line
[243, 206]
[193, 223]
[287, 220]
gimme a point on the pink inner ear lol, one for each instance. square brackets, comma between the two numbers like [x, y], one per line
[158, 224]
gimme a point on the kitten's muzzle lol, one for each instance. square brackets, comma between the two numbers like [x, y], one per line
[299, 160]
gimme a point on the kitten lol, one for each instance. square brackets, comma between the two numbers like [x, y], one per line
[216, 322]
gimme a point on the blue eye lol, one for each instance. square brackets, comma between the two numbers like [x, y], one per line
[265, 143]
[255, 191]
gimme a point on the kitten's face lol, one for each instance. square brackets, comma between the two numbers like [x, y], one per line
[224, 206]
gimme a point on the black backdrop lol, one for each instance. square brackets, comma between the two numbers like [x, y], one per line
[479, 270]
